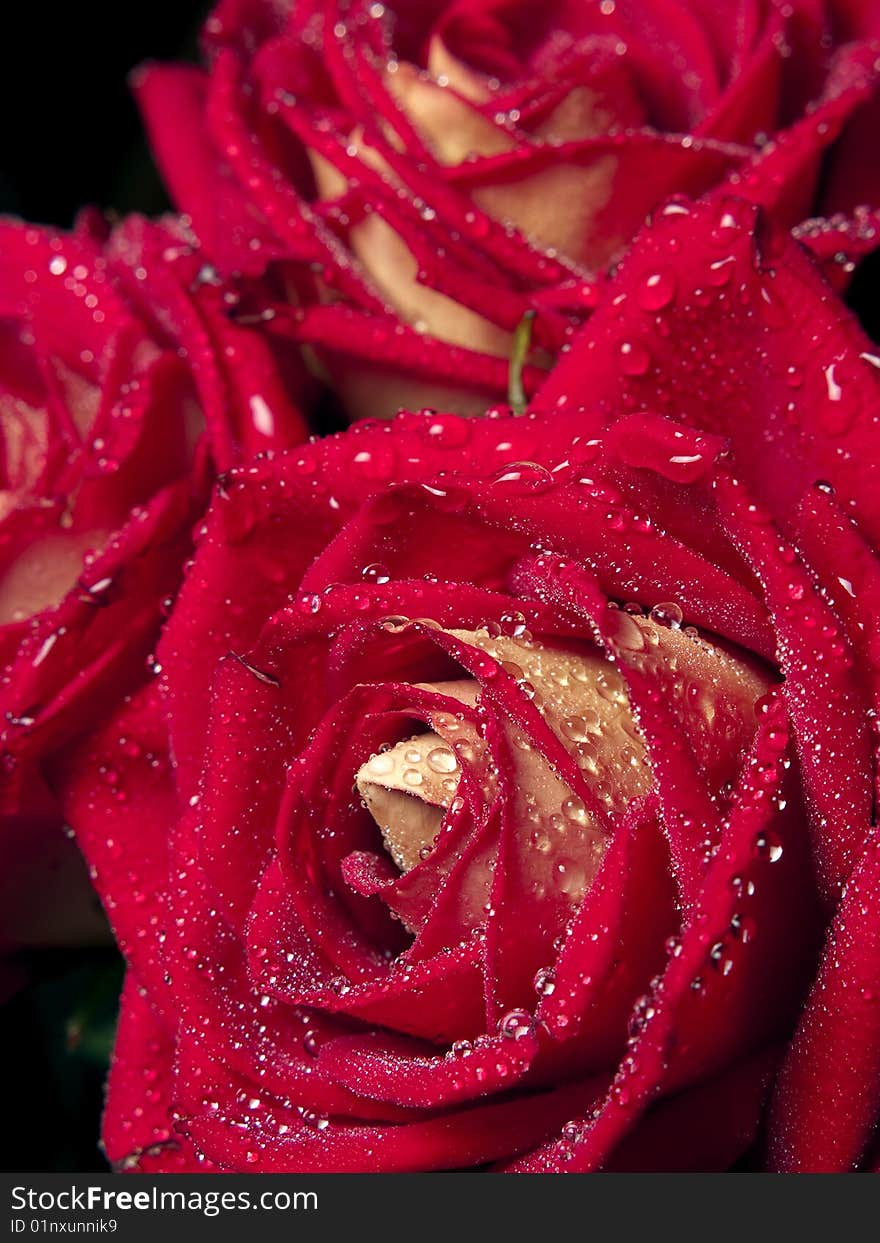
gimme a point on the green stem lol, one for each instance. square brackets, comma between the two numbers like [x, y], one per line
[522, 340]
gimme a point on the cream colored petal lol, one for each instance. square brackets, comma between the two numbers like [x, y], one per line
[450, 127]
[392, 269]
[710, 691]
[329, 181]
[556, 209]
[583, 700]
[82, 398]
[448, 69]
[41, 576]
[25, 441]
[407, 789]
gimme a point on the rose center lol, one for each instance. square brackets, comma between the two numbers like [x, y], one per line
[410, 787]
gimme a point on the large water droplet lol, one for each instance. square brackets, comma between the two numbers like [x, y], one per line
[657, 291]
[522, 479]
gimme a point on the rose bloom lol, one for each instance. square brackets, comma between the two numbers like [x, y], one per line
[419, 176]
[124, 391]
[505, 796]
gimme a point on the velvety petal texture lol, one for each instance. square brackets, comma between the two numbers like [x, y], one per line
[124, 391]
[418, 175]
[503, 797]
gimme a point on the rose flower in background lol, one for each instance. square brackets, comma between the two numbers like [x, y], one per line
[420, 175]
[505, 796]
[124, 392]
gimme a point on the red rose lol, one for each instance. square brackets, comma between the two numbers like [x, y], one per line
[421, 176]
[124, 392]
[502, 774]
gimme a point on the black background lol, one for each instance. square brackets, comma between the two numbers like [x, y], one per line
[69, 131]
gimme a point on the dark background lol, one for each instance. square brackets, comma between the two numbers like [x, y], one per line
[70, 133]
[70, 136]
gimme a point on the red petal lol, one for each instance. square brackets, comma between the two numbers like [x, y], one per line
[827, 1101]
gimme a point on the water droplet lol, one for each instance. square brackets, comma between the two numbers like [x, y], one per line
[629, 634]
[448, 431]
[657, 291]
[720, 272]
[442, 760]
[768, 847]
[545, 982]
[309, 603]
[633, 358]
[667, 614]
[580, 728]
[522, 479]
[642, 1012]
[395, 623]
[311, 1043]
[375, 573]
[835, 392]
[516, 1025]
[513, 624]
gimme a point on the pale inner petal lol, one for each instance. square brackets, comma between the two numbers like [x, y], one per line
[44, 572]
[711, 694]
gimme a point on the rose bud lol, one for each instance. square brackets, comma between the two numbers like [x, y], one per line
[124, 393]
[419, 178]
[511, 800]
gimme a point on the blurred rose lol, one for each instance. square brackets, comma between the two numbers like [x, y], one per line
[123, 392]
[421, 175]
[507, 771]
